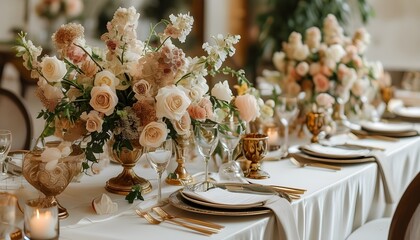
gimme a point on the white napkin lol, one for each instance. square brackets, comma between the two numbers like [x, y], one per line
[104, 205]
[384, 171]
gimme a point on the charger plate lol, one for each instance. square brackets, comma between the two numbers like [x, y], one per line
[318, 150]
[389, 129]
[176, 200]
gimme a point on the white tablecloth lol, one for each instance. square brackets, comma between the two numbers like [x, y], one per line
[336, 202]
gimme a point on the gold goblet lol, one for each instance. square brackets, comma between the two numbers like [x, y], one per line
[315, 122]
[387, 94]
[254, 148]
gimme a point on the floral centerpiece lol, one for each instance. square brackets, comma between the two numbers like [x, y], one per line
[327, 61]
[133, 91]
[52, 9]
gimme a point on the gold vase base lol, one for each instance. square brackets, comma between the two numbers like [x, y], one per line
[62, 212]
[257, 174]
[179, 181]
[123, 185]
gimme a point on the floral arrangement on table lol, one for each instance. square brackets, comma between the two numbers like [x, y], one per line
[52, 9]
[132, 90]
[327, 62]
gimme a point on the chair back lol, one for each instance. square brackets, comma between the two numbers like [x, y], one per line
[14, 116]
[406, 211]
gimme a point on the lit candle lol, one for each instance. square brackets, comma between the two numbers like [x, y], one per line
[43, 225]
[273, 136]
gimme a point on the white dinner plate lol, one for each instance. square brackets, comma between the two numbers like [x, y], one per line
[382, 127]
[408, 112]
[333, 152]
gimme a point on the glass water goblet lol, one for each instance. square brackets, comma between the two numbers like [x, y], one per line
[286, 110]
[159, 158]
[5, 145]
[206, 136]
[230, 133]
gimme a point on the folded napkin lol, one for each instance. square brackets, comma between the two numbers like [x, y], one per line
[385, 171]
[286, 227]
[104, 205]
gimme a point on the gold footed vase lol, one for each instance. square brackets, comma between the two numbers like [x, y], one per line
[314, 123]
[123, 183]
[254, 148]
[180, 176]
[51, 182]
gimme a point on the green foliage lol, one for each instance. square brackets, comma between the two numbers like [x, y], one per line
[134, 194]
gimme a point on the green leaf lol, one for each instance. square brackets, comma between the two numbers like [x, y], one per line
[134, 194]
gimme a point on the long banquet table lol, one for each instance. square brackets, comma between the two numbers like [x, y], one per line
[334, 205]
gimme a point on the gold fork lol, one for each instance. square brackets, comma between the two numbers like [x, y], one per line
[155, 221]
[165, 215]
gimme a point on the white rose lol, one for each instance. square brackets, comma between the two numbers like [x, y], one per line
[50, 154]
[153, 134]
[107, 78]
[302, 68]
[171, 102]
[248, 107]
[222, 91]
[53, 69]
[278, 61]
[335, 52]
[301, 53]
[182, 127]
[103, 99]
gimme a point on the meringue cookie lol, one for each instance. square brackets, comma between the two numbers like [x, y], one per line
[104, 205]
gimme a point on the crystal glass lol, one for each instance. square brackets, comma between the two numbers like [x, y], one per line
[7, 214]
[159, 158]
[206, 137]
[5, 145]
[40, 220]
[286, 110]
[230, 133]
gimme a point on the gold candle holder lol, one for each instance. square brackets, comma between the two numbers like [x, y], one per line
[314, 123]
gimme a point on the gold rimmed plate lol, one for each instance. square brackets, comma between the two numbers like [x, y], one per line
[178, 201]
[332, 160]
[318, 150]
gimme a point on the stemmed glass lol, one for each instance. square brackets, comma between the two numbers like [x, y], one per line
[286, 110]
[5, 145]
[230, 134]
[206, 136]
[159, 158]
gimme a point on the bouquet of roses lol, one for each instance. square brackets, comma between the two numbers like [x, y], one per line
[52, 9]
[327, 62]
[131, 90]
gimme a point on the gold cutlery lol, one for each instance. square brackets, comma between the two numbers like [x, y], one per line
[166, 215]
[155, 221]
[304, 163]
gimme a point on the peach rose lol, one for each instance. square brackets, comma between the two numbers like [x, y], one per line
[53, 69]
[201, 111]
[248, 107]
[171, 102]
[93, 121]
[103, 99]
[141, 88]
[182, 127]
[153, 134]
[322, 84]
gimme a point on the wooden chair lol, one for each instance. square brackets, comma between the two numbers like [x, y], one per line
[402, 225]
[14, 115]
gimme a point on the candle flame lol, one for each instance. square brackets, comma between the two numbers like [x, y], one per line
[37, 214]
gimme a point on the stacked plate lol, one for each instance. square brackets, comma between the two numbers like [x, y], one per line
[411, 114]
[334, 154]
[389, 129]
[224, 200]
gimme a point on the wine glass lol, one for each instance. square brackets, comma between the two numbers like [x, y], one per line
[206, 136]
[230, 133]
[5, 145]
[159, 158]
[286, 110]
[7, 214]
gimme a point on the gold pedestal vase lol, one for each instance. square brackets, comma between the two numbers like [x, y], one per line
[123, 183]
[52, 181]
[180, 176]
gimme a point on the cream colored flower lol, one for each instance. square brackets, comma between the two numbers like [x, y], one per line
[278, 61]
[248, 107]
[107, 78]
[103, 99]
[142, 89]
[324, 100]
[93, 121]
[222, 91]
[53, 69]
[171, 102]
[182, 127]
[154, 134]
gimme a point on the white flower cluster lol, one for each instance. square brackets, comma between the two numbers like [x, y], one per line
[223, 48]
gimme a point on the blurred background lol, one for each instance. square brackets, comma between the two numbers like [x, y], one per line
[262, 24]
